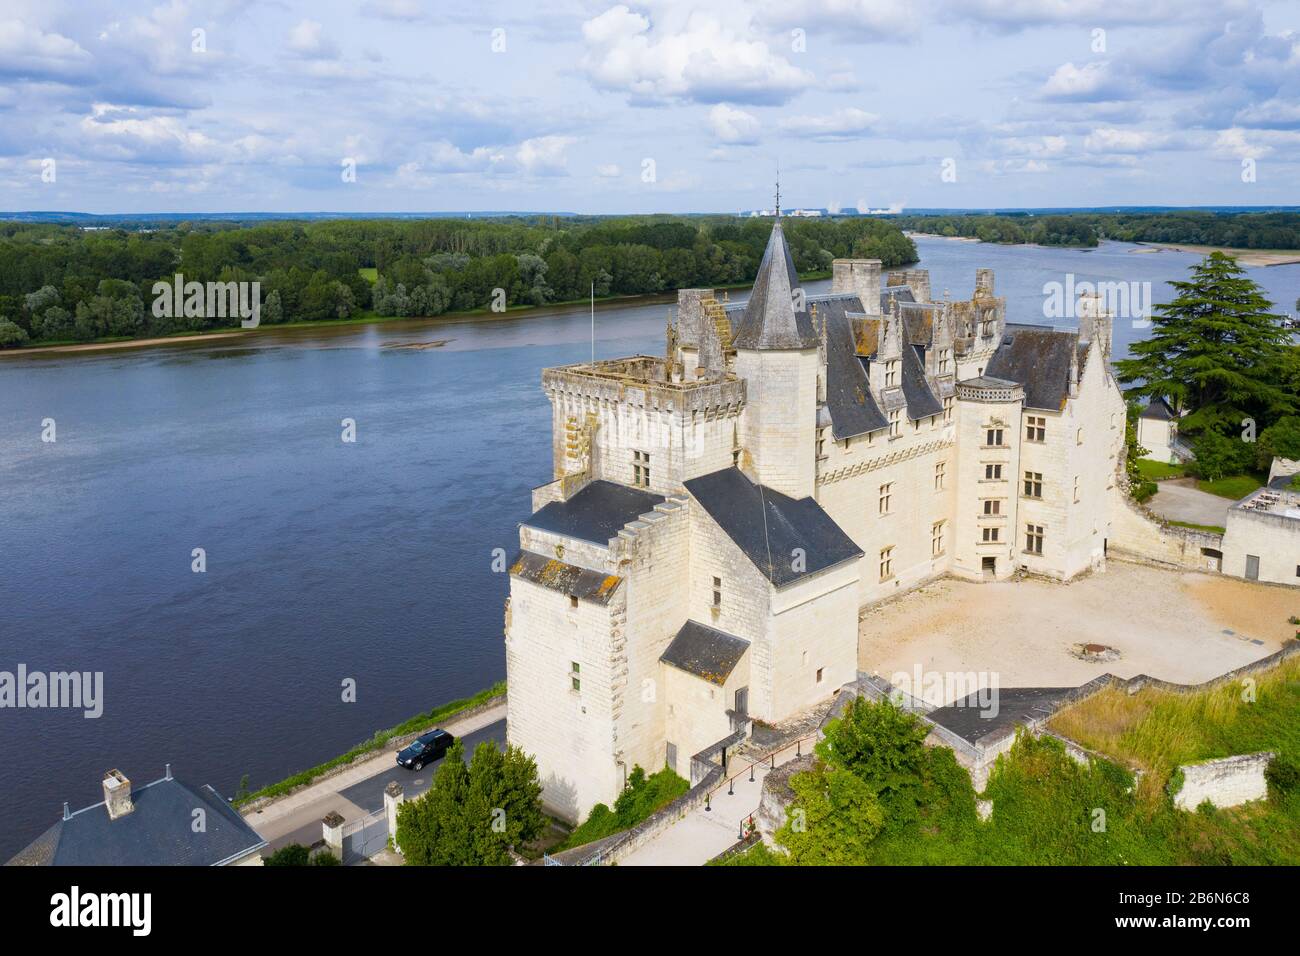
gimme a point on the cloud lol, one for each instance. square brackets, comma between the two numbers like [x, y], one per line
[864, 20]
[608, 171]
[847, 123]
[544, 155]
[689, 55]
[27, 52]
[307, 39]
[1112, 140]
[403, 10]
[733, 126]
[1090, 82]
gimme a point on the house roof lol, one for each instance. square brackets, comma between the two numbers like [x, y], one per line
[1159, 410]
[705, 652]
[566, 578]
[770, 320]
[1038, 358]
[1015, 705]
[159, 831]
[769, 526]
[596, 513]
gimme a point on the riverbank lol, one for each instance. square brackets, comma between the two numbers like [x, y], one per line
[1246, 257]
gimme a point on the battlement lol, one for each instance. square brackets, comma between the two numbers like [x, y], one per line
[643, 380]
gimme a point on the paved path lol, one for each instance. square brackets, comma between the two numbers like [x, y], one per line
[702, 834]
[359, 790]
[1180, 500]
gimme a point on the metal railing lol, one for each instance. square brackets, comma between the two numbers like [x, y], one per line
[770, 760]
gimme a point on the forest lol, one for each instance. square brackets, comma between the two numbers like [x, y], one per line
[64, 283]
[1236, 230]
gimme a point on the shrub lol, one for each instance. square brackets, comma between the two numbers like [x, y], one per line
[1282, 775]
[292, 854]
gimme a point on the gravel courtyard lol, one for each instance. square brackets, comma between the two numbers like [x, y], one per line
[1167, 624]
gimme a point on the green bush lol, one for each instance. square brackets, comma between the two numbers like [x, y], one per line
[640, 798]
[1283, 775]
[292, 854]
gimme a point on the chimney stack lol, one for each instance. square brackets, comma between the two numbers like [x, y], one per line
[860, 277]
[1095, 323]
[67, 814]
[117, 794]
[168, 774]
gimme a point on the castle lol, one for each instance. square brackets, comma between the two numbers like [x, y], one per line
[720, 514]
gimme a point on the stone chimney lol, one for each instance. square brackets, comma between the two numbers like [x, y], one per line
[1095, 323]
[860, 277]
[918, 280]
[117, 794]
[690, 315]
[983, 283]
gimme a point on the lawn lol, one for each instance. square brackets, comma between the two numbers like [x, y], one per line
[1159, 470]
[1214, 529]
[370, 274]
[1234, 486]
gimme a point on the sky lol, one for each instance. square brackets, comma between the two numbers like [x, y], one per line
[599, 107]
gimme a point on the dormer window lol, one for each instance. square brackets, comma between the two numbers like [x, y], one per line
[891, 373]
[945, 361]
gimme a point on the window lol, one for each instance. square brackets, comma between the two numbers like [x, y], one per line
[575, 666]
[1036, 428]
[945, 361]
[1076, 489]
[1033, 484]
[819, 674]
[992, 506]
[1034, 538]
[991, 535]
[1078, 437]
[940, 467]
[993, 438]
[574, 670]
[891, 373]
[577, 684]
[895, 423]
[821, 443]
[886, 563]
[947, 409]
[717, 592]
[936, 539]
[573, 600]
[641, 469]
[992, 472]
[886, 497]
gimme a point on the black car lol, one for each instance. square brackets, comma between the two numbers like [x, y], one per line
[425, 749]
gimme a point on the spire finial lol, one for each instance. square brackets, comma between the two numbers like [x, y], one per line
[778, 190]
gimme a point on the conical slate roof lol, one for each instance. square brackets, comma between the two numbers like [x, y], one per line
[770, 320]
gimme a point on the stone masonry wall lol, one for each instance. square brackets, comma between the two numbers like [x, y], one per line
[1226, 782]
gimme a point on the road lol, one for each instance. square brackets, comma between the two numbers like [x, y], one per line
[359, 790]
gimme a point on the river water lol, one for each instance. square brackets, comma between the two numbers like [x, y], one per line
[327, 561]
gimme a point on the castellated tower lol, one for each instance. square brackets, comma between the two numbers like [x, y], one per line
[860, 277]
[777, 354]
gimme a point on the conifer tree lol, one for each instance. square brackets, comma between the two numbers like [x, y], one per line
[1216, 352]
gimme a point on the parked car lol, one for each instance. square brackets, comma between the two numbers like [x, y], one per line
[425, 749]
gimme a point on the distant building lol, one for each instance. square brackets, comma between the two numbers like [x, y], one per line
[720, 514]
[164, 823]
[1261, 539]
[1157, 430]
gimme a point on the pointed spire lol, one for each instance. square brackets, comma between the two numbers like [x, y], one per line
[778, 190]
[771, 320]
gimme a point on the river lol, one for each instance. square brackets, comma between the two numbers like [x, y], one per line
[326, 561]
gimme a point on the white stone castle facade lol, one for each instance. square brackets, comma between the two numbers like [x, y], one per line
[719, 515]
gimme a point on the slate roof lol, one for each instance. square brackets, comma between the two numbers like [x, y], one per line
[1015, 705]
[739, 507]
[770, 320]
[705, 652]
[157, 832]
[1038, 358]
[1159, 410]
[921, 402]
[582, 583]
[596, 513]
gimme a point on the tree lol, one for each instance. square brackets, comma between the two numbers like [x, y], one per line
[1219, 455]
[1279, 440]
[472, 815]
[1215, 350]
[833, 818]
[11, 335]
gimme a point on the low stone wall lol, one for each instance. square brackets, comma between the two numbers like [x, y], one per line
[1226, 782]
[1138, 533]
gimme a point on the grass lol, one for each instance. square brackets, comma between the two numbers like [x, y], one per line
[1214, 529]
[369, 273]
[1159, 470]
[415, 724]
[1233, 486]
[1050, 810]
[642, 797]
